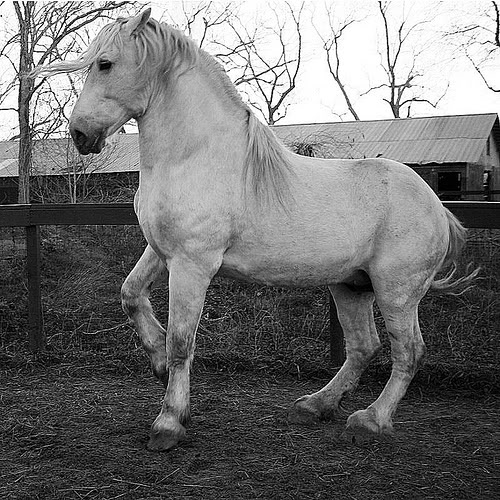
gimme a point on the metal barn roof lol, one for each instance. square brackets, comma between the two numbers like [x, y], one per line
[417, 141]
[436, 139]
[55, 157]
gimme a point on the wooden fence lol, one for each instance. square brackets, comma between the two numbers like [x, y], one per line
[485, 215]
[483, 194]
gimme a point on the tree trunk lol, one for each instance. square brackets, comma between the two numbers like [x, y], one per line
[25, 141]
[25, 92]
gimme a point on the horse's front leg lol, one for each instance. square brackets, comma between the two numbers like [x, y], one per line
[188, 283]
[135, 302]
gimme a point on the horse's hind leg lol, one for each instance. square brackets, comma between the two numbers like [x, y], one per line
[407, 350]
[135, 302]
[355, 311]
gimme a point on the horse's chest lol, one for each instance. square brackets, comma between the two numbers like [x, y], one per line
[176, 228]
[163, 230]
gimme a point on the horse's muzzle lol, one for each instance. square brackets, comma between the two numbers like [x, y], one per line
[88, 143]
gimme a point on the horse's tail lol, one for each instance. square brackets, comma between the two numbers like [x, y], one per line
[449, 285]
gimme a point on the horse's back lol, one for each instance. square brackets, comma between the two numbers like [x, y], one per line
[368, 194]
[358, 197]
[366, 181]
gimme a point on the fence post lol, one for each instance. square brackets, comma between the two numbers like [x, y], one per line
[35, 315]
[337, 350]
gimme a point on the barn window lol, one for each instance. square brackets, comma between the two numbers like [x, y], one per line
[488, 147]
[449, 185]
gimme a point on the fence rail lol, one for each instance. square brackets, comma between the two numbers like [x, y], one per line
[473, 214]
[486, 193]
[68, 214]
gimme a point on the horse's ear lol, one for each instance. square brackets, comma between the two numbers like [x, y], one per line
[137, 23]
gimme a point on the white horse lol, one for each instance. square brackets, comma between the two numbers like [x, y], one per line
[219, 195]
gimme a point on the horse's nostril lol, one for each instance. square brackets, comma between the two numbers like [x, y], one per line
[79, 137]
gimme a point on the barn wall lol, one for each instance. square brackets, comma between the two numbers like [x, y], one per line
[427, 173]
[474, 181]
[495, 184]
[492, 162]
[93, 188]
[431, 174]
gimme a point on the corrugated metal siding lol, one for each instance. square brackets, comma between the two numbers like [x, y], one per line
[8, 150]
[8, 168]
[125, 155]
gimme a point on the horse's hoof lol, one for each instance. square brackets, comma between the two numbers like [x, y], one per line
[165, 434]
[362, 428]
[303, 412]
[164, 441]
[358, 436]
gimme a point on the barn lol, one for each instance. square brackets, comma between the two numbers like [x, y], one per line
[61, 175]
[458, 156]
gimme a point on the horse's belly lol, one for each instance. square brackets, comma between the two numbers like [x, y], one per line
[293, 271]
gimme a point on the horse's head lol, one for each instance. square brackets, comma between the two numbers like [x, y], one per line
[114, 89]
[126, 62]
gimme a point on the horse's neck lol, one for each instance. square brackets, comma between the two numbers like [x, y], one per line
[186, 116]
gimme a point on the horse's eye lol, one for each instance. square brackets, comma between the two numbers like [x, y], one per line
[104, 65]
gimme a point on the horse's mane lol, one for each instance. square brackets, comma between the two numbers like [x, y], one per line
[167, 50]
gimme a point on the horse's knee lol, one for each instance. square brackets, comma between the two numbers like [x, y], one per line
[129, 298]
[180, 347]
[361, 350]
[179, 352]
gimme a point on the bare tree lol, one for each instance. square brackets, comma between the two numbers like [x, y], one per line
[332, 47]
[46, 31]
[402, 80]
[204, 21]
[478, 36]
[269, 75]
[209, 24]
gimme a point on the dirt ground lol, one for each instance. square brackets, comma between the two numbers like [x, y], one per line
[80, 435]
